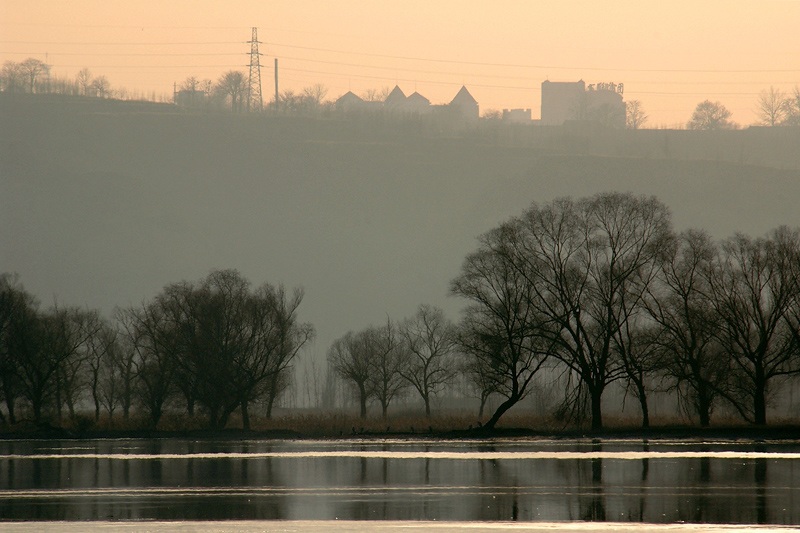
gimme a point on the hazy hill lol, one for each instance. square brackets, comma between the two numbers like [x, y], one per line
[104, 208]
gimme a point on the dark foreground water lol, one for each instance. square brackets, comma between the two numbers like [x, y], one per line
[505, 481]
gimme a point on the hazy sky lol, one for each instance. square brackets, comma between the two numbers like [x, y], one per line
[670, 55]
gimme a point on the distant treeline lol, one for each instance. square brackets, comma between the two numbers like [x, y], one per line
[595, 291]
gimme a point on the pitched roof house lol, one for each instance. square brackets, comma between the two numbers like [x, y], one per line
[465, 104]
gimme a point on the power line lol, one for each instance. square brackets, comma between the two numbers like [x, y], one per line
[518, 65]
[117, 43]
[417, 58]
[129, 54]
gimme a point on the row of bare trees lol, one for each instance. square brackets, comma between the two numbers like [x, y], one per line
[382, 362]
[600, 290]
[217, 343]
[33, 76]
[231, 91]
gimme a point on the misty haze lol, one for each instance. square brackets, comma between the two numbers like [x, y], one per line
[263, 292]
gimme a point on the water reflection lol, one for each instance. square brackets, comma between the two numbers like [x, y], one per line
[183, 480]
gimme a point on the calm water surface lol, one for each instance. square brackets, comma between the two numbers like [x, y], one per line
[535, 482]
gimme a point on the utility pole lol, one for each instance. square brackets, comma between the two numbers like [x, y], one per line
[254, 100]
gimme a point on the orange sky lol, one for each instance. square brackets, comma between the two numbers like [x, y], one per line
[669, 55]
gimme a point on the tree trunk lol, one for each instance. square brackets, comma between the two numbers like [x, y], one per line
[597, 412]
[703, 406]
[427, 407]
[760, 405]
[36, 405]
[484, 399]
[505, 406]
[126, 400]
[245, 416]
[10, 407]
[362, 397]
[642, 395]
[155, 417]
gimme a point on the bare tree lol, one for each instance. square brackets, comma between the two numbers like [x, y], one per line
[501, 330]
[431, 341]
[635, 116]
[314, 95]
[84, 81]
[793, 108]
[233, 345]
[773, 107]
[232, 88]
[154, 340]
[280, 349]
[375, 95]
[18, 337]
[680, 303]
[349, 357]
[100, 87]
[477, 369]
[105, 378]
[754, 287]
[50, 351]
[710, 115]
[72, 373]
[12, 77]
[33, 70]
[584, 264]
[636, 343]
[388, 359]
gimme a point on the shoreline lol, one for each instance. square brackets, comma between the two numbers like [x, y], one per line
[732, 433]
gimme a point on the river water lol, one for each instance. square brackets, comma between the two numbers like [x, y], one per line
[352, 485]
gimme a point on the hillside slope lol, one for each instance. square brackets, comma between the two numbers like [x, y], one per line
[104, 209]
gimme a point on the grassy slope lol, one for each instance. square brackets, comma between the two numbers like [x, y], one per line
[104, 209]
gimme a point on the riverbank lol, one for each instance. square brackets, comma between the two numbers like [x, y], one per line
[783, 432]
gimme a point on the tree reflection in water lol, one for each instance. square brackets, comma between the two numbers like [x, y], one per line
[183, 482]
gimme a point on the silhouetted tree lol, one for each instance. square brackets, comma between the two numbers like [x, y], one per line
[375, 95]
[232, 88]
[12, 77]
[710, 115]
[754, 286]
[154, 339]
[51, 350]
[501, 331]
[105, 365]
[17, 337]
[33, 70]
[84, 81]
[431, 341]
[388, 359]
[233, 343]
[773, 107]
[289, 338]
[100, 87]
[349, 357]
[635, 116]
[583, 262]
[793, 108]
[680, 302]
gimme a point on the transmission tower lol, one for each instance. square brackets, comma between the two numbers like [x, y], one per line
[254, 101]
